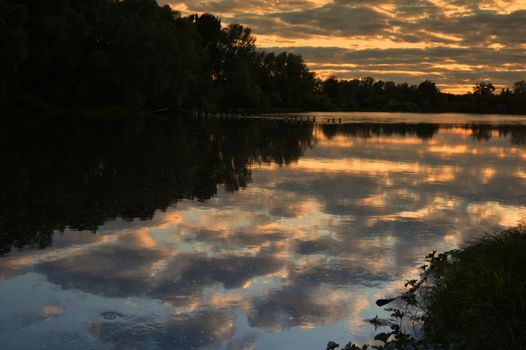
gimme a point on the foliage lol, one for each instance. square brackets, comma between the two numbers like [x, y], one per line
[136, 54]
[369, 94]
[479, 294]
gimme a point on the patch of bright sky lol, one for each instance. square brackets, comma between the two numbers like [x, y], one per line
[357, 43]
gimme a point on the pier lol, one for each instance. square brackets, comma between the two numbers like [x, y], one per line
[289, 118]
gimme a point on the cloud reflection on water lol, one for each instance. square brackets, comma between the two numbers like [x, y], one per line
[305, 247]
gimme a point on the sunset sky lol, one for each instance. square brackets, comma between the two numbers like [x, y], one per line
[452, 42]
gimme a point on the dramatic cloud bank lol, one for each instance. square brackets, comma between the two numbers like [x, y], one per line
[453, 42]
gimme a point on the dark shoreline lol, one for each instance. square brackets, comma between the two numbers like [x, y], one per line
[122, 113]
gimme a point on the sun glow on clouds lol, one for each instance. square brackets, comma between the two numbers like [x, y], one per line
[320, 28]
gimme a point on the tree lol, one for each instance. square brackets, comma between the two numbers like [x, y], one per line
[428, 95]
[13, 46]
[428, 89]
[484, 89]
[519, 87]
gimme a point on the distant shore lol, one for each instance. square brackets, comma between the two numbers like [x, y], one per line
[122, 113]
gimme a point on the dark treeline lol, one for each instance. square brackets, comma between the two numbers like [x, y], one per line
[369, 94]
[134, 53]
[80, 173]
[64, 54]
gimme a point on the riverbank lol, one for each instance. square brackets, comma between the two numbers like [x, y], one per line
[473, 297]
[478, 297]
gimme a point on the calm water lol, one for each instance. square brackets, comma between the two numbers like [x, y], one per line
[238, 235]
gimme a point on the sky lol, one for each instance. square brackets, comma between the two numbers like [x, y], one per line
[454, 43]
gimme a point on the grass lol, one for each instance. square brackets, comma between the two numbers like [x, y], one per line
[478, 295]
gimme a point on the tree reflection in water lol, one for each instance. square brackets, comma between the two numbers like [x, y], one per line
[55, 178]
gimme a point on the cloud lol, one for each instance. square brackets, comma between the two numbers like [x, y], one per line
[237, 6]
[480, 29]
[338, 20]
[399, 20]
[434, 55]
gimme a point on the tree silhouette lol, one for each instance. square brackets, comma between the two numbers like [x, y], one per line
[484, 89]
[88, 172]
[519, 87]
